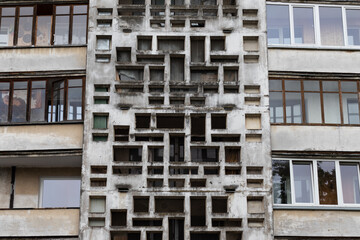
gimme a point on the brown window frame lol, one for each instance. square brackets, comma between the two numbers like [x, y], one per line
[53, 24]
[321, 93]
[49, 89]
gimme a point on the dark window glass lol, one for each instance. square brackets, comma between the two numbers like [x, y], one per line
[4, 101]
[19, 102]
[327, 182]
[281, 182]
[37, 104]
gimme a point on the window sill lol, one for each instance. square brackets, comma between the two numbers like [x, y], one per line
[41, 123]
[307, 47]
[317, 207]
[52, 46]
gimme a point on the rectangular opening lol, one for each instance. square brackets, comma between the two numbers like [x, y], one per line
[226, 222]
[169, 121]
[157, 23]
[118, 217]
[130, 74]
[97, 204]
[156, 170]
[231, 89]
[171, 44]
[251, 89]
[232, 170]
[176, 228]
[205, 236]
[121, 133]
[98, 182]
[144, 42]
[204, 75]
[224, 58]
[98, 169]
[229, 12]
[253, 121]
[197, 183]
[100, 121]
[105, 11]
[156, 100]
[251, 58]
[183, 89]
[158, 12]
[156, 74]
[103, 43]
[211, 170]
[142, 120]
[169, 204]
[96, 222]
[102, 58]
[230, 75]
[176, 183]
[217, 43]
[131, 12]
[101, 88]
[143, 222]
[183, 170]
[197, 127]
[250, 12]
[156, 59]
[177, 23]
[154, 235]
[250, 23]
[253, 137]
[255, 222]
[204, 154]
[255, 205]
[155, 183]
[100, 137]
[197, 101]
[127, 154]
[210, 13]
[252, 101]
[255, 183]
[225, 137]
[211, 89]
[156, 88]
[254, 170]
[141, 204]
[101, 100]
[125, 235]
[233, 235]
[198, 212]
[176, 68]
[232, 155]
[131, 2]
[104, 23]
[127, 170]
[197, 23]
[123, 55]
[219, 204]
[251, 43]
[155, 154]
[218, 121]
[203, 2]
[155, 137]
[177, 101]
[197, 49]
[176, 148]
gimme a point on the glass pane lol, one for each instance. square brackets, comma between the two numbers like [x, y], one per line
[278, 24]
[74, 104]
[63, 10]
[311, 86]
[292, 85]
[7, 31]
[19, 102]
[80, 9]
[330, 86]
[281, 182]
[353, 26]
[331, 108]
[79, 29]
[350, 107]
[103, 44]
[350, 183]
[37, 108]
[303, 182]
[312, 107]
[304, 25]
[26, 11]
[75, 82]
[4, 101]
[275, 85]
[61, 30]
[58, 102]
[25, 31]
[331, 26]
[8, 11]
[97, 205]
[100, 122]
[348, 86]
[276, 107]
[293, 107]
[327, 182]
[61, 193]
[43, 34]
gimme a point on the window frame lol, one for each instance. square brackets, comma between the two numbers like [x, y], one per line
[53, 24]
[317, 31]
[315, 183]
[321, 92]
[41, 192]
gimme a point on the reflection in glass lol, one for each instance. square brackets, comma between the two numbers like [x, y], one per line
[79, 29]
[276, 107]
[311, 85]
[43, 34]
[353, 26]
[61, 193]
[25, 31]
[292, 85]
[327, 182]
[303, 182]
[330, 86]
[278, 24]
[57, 106]
[275, 85]
[350, 107]
[19, 102]
[331, 108]
[7, 31]
[4, 101]
[312, 107]
[103, 44]
[331, 26]
[350, 182]
[74, 104]
[61, 30]
[281, 182]
[347, 86]
[293, 107]
[37, 104]
[304, 25]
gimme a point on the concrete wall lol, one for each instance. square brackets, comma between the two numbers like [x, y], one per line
[5, 187]
[27, 183]
[41, 137]
[42, 59]
[313, 60]
[39, 222]
[313, 223]
[315, 138]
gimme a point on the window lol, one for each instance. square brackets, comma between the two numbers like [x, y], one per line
[103, 43]
[306, 24]
[60, 192]
[51, 100]
[314, 102]
[316, 182]
[43, 25]
[100, 121]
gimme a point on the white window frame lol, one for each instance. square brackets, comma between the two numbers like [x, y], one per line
[317, 32]
[315, 183]
[40, 202]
